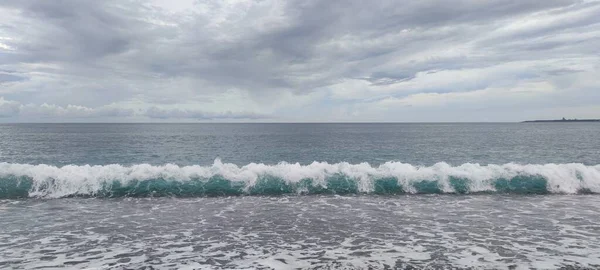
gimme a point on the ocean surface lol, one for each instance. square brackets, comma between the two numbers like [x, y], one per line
[300, 196]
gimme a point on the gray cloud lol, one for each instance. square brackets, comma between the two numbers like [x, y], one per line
[75, 31]
[266, 57]
[9, 78]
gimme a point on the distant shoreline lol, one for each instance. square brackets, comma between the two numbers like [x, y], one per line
[562, 121]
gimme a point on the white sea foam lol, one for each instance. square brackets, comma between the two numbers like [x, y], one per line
[52, 181]
[325, 232]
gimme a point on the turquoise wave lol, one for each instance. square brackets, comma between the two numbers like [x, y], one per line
[22, 187]
[222, 179]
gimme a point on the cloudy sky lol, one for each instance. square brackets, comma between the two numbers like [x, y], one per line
[298, 61]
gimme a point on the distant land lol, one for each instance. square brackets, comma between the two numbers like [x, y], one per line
[564, 120]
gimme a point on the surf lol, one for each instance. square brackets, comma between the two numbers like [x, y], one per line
[257, 179]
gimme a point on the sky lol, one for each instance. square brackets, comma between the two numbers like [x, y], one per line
[298, 61]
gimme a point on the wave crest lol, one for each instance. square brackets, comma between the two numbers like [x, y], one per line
[46, 181]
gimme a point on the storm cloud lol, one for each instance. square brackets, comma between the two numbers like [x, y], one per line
[127, 60]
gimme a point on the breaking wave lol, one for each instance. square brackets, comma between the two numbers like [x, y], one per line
[224, 179]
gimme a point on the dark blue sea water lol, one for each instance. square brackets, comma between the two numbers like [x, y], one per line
[285, 196]
[241, 144]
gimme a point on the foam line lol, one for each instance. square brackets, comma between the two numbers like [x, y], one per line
[46, 181]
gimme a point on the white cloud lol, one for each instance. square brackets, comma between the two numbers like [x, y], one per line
[72, 111]
[8, 108]
[141, 112]
[155, 112]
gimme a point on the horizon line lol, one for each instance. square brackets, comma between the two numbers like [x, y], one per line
[298, 122]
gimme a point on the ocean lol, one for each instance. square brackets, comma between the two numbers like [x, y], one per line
[300, 196]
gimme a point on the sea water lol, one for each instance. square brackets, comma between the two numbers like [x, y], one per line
[309, 196]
